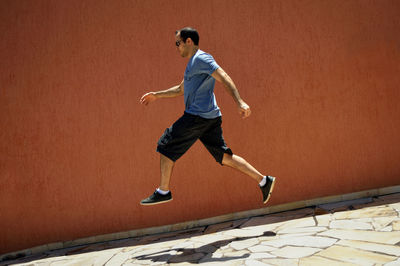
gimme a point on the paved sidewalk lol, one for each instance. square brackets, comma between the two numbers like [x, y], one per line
[358, 232]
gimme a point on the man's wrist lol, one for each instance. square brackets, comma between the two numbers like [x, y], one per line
[240, 102]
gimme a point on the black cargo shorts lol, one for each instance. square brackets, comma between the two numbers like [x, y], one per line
[178, 138]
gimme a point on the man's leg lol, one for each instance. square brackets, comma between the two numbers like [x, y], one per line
[162, 194]
[215, 144]
[242, 165]
[175, 141]
[166, 167]
[266, 183]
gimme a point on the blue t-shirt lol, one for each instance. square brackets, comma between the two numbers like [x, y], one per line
[199, 86]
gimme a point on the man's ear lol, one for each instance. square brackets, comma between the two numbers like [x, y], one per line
[189, 41]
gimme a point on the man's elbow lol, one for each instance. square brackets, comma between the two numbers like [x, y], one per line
[180, 91]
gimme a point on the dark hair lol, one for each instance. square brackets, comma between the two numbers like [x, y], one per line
[189, 33]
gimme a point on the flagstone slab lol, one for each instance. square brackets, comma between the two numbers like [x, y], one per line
[396, 225]
[297, 230]
[261, 255]
[318, 261]
[211, 238]
[187, 258]
[161, 258]
[130, 263]
[239, 255]
[136, 262]
[164, 244]
[46, 261]
[145, 252]
[204, 248]
[363, 220]
[210, 258]
[350, 224]
[255, 263]
[71, 262]
[185, 244]
[282, 236]
[118, 259]
[365, 213]
[101, 258]
[368, 246]
[223, 251]
[323, 220]
[295, 252]
[348, 254]
[281, 262]
[268, 238]
[393, 263]
[304, 241]
[261, 248]
[133, 248]
[386, 229]
[370, 236]
[219, 262]
[303, 222]
[395, 206]
[243, 244]
[382, 222]
[261, 229]
[242, 233]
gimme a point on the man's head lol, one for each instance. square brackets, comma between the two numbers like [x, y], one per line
[187, 40]
[188, 32]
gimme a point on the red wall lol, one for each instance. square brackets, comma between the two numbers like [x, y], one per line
[77, 150]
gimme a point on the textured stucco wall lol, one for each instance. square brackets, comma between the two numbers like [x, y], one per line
[77, 150]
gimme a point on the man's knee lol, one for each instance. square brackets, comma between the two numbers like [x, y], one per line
[227, 159]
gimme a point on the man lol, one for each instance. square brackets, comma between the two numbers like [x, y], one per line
[201, 119]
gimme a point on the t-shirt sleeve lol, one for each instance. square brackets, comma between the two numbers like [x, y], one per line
[207, 64]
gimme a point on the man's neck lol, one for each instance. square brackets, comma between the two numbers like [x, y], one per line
[193, 52]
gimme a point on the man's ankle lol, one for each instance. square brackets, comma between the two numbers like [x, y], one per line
[263, 181]
[162, 192]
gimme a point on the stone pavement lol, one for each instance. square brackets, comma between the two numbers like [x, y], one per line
[358, 232]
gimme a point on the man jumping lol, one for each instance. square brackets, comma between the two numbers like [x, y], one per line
[201, 119]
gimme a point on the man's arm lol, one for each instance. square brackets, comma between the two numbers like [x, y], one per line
[224, 78]
[171, 92]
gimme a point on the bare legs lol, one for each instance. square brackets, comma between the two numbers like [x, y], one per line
[234, 161]
[242, 165]
[166, 167]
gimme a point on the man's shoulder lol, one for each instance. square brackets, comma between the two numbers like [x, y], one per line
[204, 57]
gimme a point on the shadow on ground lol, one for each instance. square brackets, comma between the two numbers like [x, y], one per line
[194, 254]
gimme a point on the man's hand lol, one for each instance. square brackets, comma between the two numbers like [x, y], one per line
[175, 91]
[148, 98]
[221, 76]
[244, 110]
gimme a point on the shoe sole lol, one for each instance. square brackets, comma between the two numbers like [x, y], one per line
[270, 192]
[155, 203]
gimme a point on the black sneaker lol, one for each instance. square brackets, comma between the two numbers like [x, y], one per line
[267, 188]
[157, 198]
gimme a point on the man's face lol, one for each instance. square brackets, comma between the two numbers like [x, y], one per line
[181, 46]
